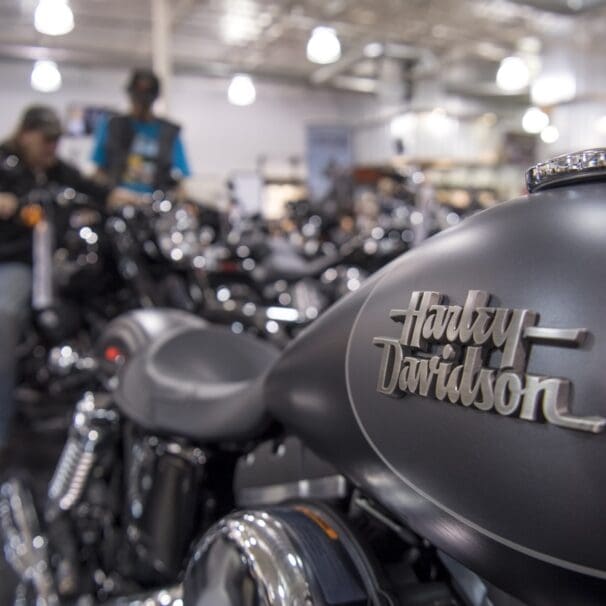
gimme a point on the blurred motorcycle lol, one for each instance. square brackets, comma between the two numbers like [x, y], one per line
[74, 294]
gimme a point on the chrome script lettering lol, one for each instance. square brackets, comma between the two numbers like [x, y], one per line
[459, 373]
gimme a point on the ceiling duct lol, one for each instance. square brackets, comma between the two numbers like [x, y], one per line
[397, 66]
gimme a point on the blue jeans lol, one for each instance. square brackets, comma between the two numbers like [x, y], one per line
[15, 287]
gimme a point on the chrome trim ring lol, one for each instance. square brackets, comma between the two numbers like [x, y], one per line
[576, 167]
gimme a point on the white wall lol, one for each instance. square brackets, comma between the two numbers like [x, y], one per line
[424, 136]
[219, 138]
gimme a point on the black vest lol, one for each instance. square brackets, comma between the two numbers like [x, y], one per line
[120, 135]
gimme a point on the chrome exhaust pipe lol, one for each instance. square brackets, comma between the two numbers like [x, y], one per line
[26, 551]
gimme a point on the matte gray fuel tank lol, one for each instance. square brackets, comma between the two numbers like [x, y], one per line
[464, 387]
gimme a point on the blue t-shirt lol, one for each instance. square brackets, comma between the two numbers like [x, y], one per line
[143, 155]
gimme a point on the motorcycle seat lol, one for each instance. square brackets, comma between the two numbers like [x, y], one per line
[203, 383]
[134, 330]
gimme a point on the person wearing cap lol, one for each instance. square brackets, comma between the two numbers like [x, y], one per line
[140, 152]
[28, 160]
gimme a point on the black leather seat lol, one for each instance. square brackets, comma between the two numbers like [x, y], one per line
[198, 381]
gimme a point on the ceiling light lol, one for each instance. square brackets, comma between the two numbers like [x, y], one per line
[438, 122]
[403, 125]
[238, 26]
[550, 134]
[46, 77]
[241, 90]
[323, 46]
[534, 120]
[54, 17]
[549, 90]
[513, 74]
[373, 50]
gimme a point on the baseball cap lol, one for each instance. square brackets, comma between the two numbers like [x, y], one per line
[42, 118]
[144, 81]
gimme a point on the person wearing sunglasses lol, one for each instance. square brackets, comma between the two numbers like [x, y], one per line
[139, 152]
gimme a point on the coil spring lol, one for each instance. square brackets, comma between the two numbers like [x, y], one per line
[80, 453]
[71, 474]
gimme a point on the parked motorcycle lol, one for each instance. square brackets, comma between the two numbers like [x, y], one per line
[75, 291]
[264, 285]
[268, 285]
[155, 244]
[420, 443]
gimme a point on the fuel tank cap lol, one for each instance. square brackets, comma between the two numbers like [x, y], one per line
[577, 167]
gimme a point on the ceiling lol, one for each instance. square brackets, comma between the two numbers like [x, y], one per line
[419, 38]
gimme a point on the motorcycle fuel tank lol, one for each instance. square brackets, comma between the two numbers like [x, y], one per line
[463, 387]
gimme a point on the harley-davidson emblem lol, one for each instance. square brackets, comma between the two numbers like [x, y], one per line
[444, 352]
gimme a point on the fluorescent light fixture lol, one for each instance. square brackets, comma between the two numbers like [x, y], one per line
[534, 120]
[241, 90]
[550, 134]
[323, 46]
[282, 314]
[513, 74]
[54, 17]
[549, 90]
[46, 77]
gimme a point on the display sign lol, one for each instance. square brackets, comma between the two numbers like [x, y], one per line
[329, 158]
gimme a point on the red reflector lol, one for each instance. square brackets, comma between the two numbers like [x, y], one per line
[112, 353]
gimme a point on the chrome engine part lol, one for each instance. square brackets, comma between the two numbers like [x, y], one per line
[267, 553]
[171, 596]
[25, 546]
[64, 359]
[164, 498]
[26, 551]
[295, 555]
[93, 421]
